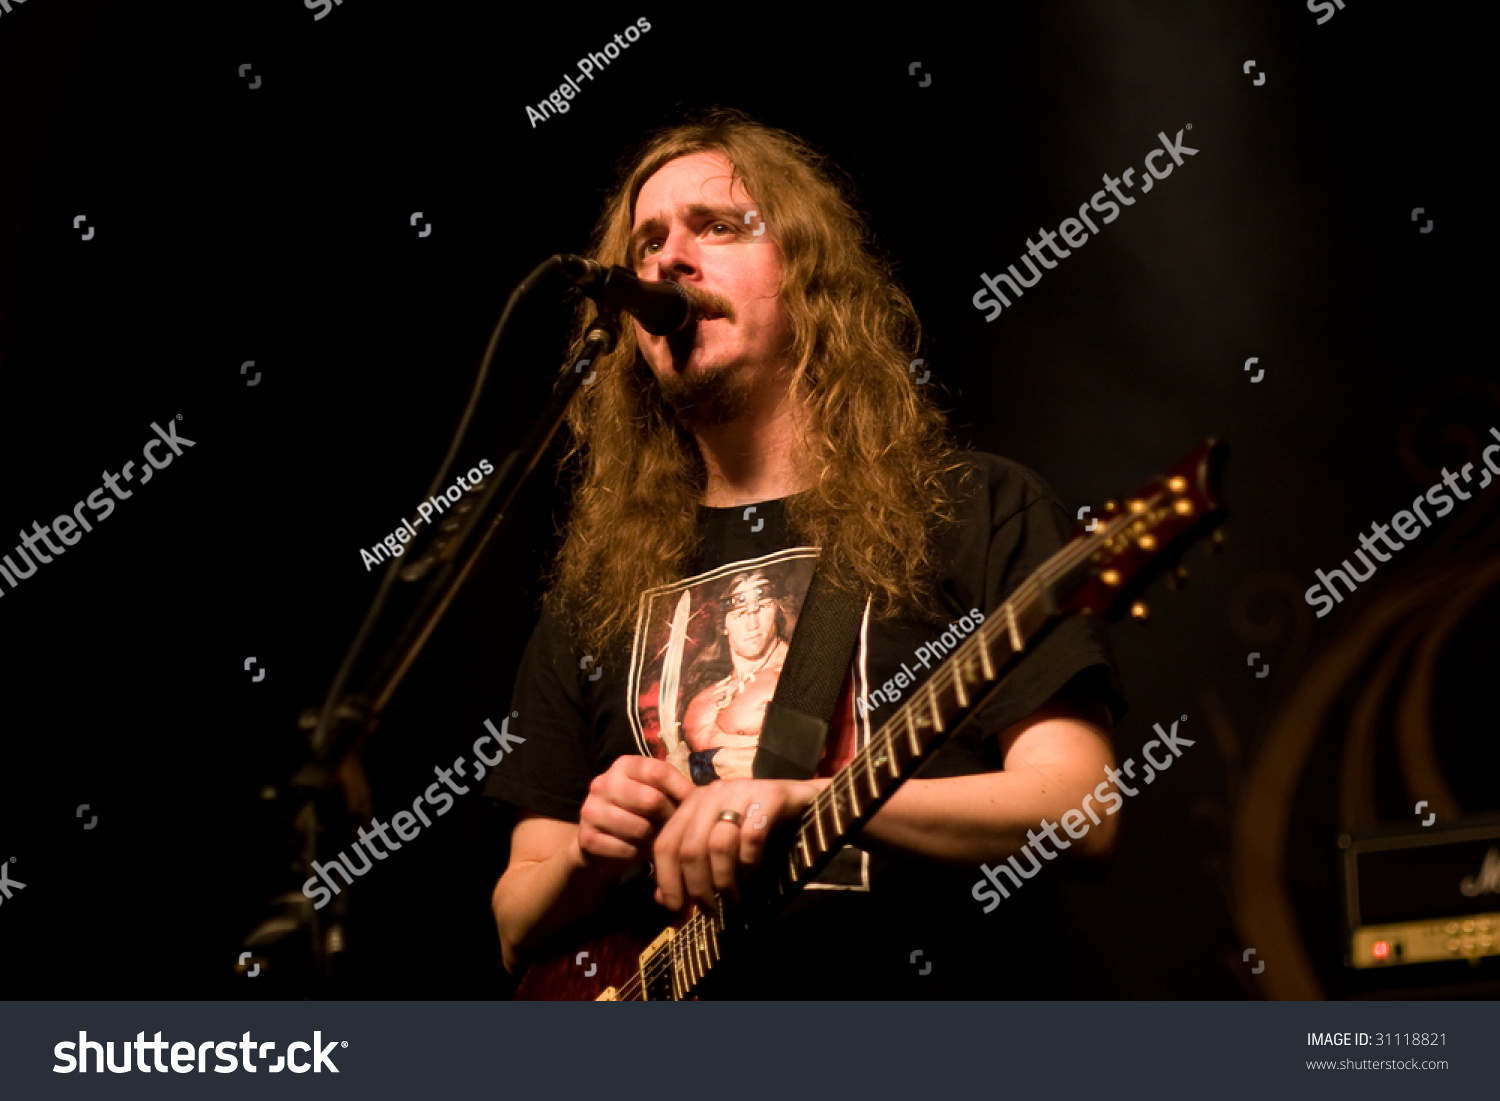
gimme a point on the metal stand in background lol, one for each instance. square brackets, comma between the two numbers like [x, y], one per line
[427, 582]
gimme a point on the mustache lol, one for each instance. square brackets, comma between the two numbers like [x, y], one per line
[709, 303]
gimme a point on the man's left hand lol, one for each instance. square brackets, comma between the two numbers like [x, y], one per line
[697, 853]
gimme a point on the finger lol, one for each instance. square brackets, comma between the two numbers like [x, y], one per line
[752, 840]
[601, 846]
[668, 866]
[660, 775]
[610, 818]
[697, 872]
[724, 856]
[638, 798]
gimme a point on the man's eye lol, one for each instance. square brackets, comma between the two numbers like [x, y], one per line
[726, 225]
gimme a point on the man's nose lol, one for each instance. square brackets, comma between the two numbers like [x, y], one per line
[677, 257]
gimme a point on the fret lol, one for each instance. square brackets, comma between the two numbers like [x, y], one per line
[1030, 614]
[791, 864]
[1046, 598]
[1015, 632]
[986, 663]
[932, 703]
[818, 820]
[890, 755]
[806, 851]
[833, 806]
[911, 732]
[700, 950]
[672, 957]
[958, 682]
[870, 771]
[848, 776]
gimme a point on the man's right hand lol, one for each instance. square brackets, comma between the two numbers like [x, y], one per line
[627, 806]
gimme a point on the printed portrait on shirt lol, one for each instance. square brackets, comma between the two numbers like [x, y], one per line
[707, 658]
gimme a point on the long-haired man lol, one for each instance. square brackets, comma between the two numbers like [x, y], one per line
[785, 430]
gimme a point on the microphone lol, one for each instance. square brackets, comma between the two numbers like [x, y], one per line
[661, 308]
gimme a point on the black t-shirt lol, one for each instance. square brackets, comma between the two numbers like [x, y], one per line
[691, 686]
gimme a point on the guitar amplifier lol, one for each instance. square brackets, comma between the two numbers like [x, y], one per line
[1421, 895]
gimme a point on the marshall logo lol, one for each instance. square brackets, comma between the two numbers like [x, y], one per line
[1487, 882]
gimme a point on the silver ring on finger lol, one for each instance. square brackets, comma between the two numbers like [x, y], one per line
[731, 816]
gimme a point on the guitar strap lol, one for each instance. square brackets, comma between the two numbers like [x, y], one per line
[796, 722]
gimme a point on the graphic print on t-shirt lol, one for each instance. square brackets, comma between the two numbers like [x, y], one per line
[707, 656]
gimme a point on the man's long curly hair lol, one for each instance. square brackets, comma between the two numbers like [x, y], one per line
[880, 449]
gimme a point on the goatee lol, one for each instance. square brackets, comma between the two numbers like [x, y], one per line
[714, 397]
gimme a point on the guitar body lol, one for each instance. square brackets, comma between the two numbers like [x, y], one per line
[614, 957]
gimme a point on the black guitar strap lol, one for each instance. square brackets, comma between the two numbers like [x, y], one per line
[796, 723]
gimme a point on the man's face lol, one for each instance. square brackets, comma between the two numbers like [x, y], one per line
[690, 228]
[750, 622]
[649, 705]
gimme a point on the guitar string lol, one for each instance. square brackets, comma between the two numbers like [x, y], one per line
[1025, 592]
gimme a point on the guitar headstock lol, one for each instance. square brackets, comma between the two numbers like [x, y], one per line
[1136, 541]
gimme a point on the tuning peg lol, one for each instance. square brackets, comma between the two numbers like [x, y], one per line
[1140, 611]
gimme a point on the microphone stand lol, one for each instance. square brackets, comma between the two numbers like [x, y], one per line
[349, 716]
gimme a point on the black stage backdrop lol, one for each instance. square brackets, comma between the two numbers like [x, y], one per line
[257, 177]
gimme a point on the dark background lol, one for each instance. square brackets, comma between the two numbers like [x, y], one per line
[273, 225]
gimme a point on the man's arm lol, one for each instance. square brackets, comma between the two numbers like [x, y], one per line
[1054, 758]
[559, 872]
[545, 888]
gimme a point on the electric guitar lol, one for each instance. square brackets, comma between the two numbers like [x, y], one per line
[1098, 573]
